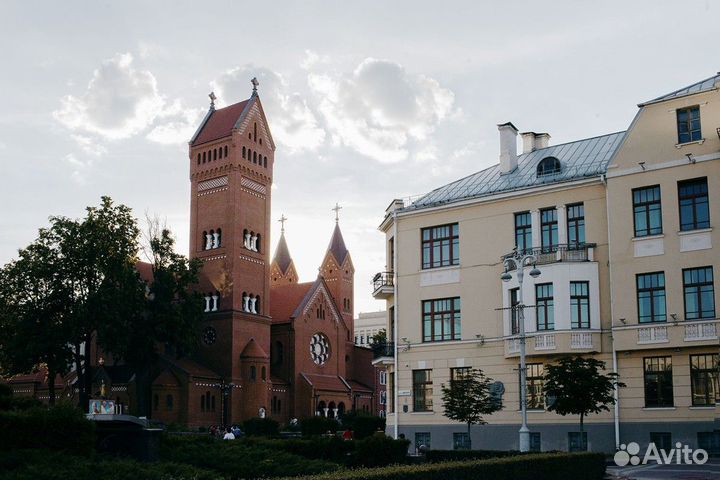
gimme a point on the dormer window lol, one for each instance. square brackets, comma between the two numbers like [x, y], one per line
[688, 124]
[548, 166]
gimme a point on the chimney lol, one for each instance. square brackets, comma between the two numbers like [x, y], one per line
[508, 147]
[528, 139]
[542, 140]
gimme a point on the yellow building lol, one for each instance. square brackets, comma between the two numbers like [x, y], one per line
[621, 229]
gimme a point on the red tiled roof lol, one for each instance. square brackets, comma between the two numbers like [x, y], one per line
[253, 350]
[220, 123]
[359, 387]
[192, 368]
[326, 382]
[284, 300]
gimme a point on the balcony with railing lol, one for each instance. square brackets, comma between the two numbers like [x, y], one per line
[667, 334]
[555, 342]
[569, 252]
[383, 353]
[383, 286]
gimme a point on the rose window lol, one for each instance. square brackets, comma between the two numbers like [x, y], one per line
[319, 348]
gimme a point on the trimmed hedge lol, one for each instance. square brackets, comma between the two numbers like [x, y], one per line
[318, 426]
[62, 427]
[436, 456]
[261, 427]
[362, 424]
[238, 458]
[588, 466]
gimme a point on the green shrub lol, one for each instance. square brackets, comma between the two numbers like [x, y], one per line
[379, 451]
[436, 456]
[362, 424]
[318, 426]
[238, 458]
[332, 449]
[265, 427]
[62, 427]
[10, 402]
[588, 466]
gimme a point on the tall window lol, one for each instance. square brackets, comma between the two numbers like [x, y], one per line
[576, 224]
[579, 305]
[549, 229]
[391, 392]
[461, 441]
[704, 379]
[658, 382]
[383, 377]
[441, 246]
[534, 386]
[688, 124]
[514, 314]
[422, 391]
[459, 374]
[647, 211]
[545, 306]
[441, 319]
[523, 231]
[694, 209]
[422, 439]
[651, 297]
[699, 293]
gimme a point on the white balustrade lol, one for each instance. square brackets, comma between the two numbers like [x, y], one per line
[581, 340]
[546, 341]
[652, 334]
[700, 331]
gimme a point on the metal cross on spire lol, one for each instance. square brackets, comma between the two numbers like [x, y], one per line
[282, 221]
[337, 212]
[255, 84]
[212, 99]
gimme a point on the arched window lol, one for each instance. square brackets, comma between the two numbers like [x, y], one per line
[255, 131]
[203, 157]
[220, 152]
[253, 373]
[257, 304]
[260, 140]
[279, 406]
[156, 401]
[198, 159]
[548, 166]
[215, 154]
[212, 403]
[225, 154]
[203, 240]
[265, 162]
[254, 157]
[250, 135]
[257, 243]
[169, 402]
[202, 403]
[243, 154]
[263, 374]
[219, 236]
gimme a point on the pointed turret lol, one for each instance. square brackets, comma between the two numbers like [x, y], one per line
[282, 269]
[338, 271]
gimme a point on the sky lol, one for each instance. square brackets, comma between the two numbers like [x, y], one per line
[367, 101]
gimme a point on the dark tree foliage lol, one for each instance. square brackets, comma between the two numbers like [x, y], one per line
[578, 386]
[468, 398]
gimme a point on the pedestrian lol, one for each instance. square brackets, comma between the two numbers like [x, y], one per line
[228, 434]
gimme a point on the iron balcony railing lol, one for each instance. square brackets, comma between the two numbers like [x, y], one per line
[568, 252]
[385, 349]
[382, 279]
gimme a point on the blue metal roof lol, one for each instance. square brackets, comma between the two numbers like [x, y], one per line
[581, 159]
[701, 86]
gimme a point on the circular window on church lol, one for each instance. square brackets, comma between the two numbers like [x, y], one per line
[209, 336]
[319, 348]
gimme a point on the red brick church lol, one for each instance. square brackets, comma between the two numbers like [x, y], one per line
[269, 346]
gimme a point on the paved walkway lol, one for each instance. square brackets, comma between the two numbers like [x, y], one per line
[709, 471]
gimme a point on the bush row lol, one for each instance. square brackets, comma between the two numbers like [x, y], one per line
[436, 456]
[62, 427]
[588, 466]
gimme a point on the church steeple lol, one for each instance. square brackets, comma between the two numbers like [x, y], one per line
[282, 269]
[338, 271]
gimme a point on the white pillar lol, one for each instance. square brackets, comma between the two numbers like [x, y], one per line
[207, 303]
[535, 223]
[216, 240]
[246, 300]
[253, 243]
[214, 303]
[208, 241]
[335, 410]
[253, 301]
[325, 410]
[562, 224]
[247, 241]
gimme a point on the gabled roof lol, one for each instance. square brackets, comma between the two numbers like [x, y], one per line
[219, 123]
[333, 383]
[337, 245]
[580, 159]
[282, 255]
[286, 298]
[697, 87]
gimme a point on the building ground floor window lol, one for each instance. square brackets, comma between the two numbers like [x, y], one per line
[461, 441]
[662, 440]
[577, 443]
[422, 441]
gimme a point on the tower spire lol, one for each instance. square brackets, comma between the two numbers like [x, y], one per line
[282, 221]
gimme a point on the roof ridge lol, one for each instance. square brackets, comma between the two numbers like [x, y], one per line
[675, 92]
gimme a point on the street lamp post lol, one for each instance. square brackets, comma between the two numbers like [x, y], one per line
[519, 261]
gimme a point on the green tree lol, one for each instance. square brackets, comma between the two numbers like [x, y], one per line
[170, 315]
[380, 338]
[34, 331]
[578, 386]
[467, 399]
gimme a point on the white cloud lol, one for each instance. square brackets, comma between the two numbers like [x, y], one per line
[89, 145]
[380, 109]
[79, 168]
[176, 124]
[293, 123]
[120, 101]
[312, 59]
